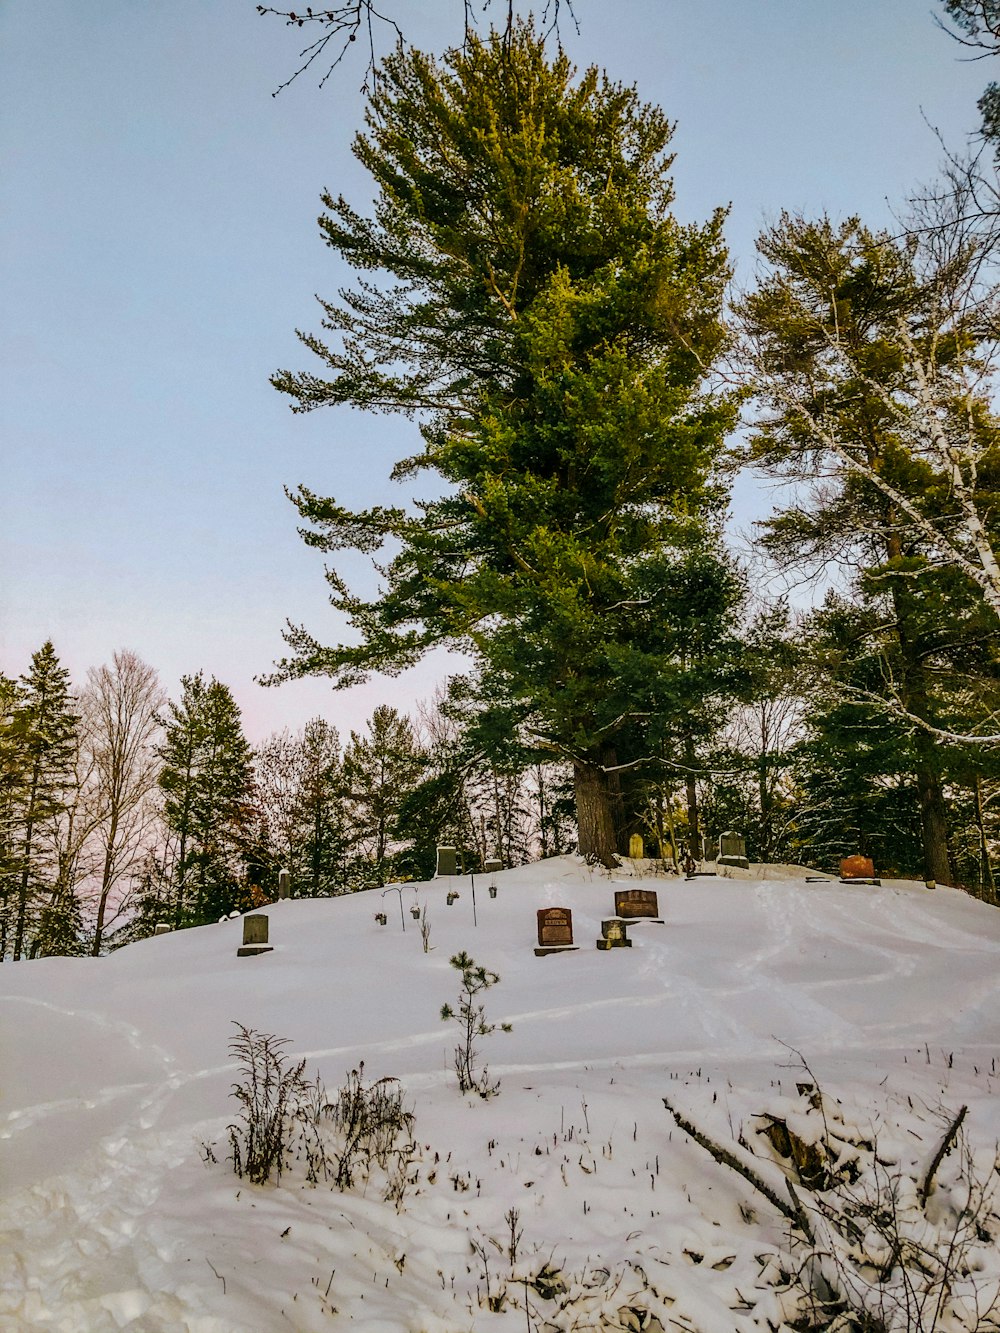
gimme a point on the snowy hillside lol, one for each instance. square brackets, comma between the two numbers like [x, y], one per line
[116, 1080]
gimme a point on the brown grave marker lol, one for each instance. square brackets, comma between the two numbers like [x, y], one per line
[636, 903]
[555, 930]
[857, 867]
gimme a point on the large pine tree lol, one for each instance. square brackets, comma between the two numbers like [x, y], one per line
[40, 735]
[533, 302]
[207, 782]
[870, 362]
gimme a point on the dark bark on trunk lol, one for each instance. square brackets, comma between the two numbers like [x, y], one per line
[691, 791]
[598, 799]
[914, 695]
[985, 868]
[933, 826]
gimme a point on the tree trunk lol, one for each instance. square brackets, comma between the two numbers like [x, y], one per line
[691, 791]
[933, 826]
[597, 795]
[985, 869]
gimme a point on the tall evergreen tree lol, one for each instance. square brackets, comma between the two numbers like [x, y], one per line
[538, 306]
[41, 730]
[302, 818]
[206, 779]
[867, 371]
[381, 766]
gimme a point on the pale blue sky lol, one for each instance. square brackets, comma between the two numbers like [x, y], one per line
[159, 249]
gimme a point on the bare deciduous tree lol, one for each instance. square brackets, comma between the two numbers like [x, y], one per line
[123, 701]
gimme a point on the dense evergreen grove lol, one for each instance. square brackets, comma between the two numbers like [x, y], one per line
[563, 348]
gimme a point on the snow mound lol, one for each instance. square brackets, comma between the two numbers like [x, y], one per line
[573, 1190]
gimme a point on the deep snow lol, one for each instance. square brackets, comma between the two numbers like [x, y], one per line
[116, 1077]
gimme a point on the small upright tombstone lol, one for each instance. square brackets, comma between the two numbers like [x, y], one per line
[637, 905]
[636, 847]
[447, 861]
[711, 849]
[254, 936]
[161, 928]
[555, 931]
[858, 870]
[732, 851]
[491, 867]
[284, 884]
[614, 935]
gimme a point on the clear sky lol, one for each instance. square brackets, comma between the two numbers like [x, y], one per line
[159, 249]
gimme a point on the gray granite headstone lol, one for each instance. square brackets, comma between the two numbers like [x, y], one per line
[254, 936]
[162, 928]
[732, 850]
[447, 861]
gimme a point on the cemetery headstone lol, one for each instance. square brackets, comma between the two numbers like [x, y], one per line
[254, 936]
[284, 884]
[491, 867]
[853, 866]
[447, 861]
[858, 870]
[711, 849]
[636, 904]
[161, 928]
[636, 847]
[614, 935]
[733, 851]
[555, 930]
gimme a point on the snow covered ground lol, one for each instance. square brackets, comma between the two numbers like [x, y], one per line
[116, 1078]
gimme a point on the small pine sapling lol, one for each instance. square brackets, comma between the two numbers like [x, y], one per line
[471, 1019]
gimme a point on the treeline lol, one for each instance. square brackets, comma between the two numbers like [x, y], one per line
[121, 809]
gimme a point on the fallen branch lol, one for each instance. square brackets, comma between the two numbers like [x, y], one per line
[947, 1143]
[792, 1210]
